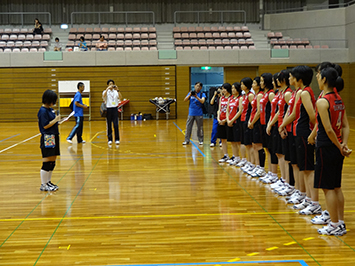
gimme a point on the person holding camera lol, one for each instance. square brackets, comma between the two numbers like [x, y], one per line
[112, 96]
[197, 99]
[215, 104]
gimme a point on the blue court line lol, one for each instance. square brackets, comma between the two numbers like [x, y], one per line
[9, 137]
[301, 262]
[191, 141]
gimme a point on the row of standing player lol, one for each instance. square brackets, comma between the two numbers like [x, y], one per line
[48, 125]
[287, 124]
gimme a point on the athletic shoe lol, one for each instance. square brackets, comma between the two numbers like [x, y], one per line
[235, 161]
[288, 190]
[297, 199]
[292, 195]
[279, 183]
[246, 167]
[261, 171]
[231, 159]
[50, 184]
[331, 230]
[224, 159]
[200, 143]
[302, 205]
[117, 142]
[83, 142]
[212, 144]
[45, 187]
[242, 162]
[311, 209]
[250, 169]
[270, 178]
[70, 141]
[185, 143]
[109, 143]
[324, 218]
[220, 145]
[253, 173]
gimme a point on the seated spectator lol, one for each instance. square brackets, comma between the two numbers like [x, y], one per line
[57, 46]
[82, 45]
[38, 27]
[101, 45]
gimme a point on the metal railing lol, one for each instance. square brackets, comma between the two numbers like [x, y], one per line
[309, 8]
[221, 12]
[114, 12]
[30, 13]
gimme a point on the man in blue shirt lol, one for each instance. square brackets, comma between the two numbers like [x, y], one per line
[79, 115]
[197, 99]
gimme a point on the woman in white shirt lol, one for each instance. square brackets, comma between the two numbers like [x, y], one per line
[112, 96]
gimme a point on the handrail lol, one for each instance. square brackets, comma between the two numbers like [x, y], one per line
[114, 12]
[309, 8]
[29, 13]
[214, 11]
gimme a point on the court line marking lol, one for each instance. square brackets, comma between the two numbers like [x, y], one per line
[20, 143]
[9, 137]
[143, 216]
[301, 262]
[26, 218]
[92, 170]
[190, 141]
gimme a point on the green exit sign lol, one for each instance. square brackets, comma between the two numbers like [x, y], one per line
[206, 68]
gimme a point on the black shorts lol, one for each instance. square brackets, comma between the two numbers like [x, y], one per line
[292, 147]
[329, 165]
[241, 131]
[233, 134]
[48, 152]
[305, 154]
[248, 134]
[222, 131]
[266, 138]
[286, 148]
[257, 133]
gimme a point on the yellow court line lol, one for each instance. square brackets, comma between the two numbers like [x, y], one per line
[272, 248]
[290, 243]
[154, 216]
[232, 260]
[308, 238]
[253, 254]
[141, 216]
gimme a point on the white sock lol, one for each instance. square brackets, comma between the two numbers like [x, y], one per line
[315, 203]
[44, 177]
[341, 222]
[308, 199]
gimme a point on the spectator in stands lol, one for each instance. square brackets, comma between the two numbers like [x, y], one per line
[101, 45]
[38, 27]
[82, 45]
[57, 46]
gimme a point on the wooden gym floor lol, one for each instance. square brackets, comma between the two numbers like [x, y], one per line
[152, 201]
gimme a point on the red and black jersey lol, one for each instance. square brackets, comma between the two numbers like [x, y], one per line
[265, 108]
[233, 107]
[254, 106]
[223, 108]
[282, 106]
[274, 107]
[246, 107]
[291, 104]
[336, 115]
[302, 126]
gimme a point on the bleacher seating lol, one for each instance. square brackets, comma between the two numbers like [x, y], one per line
[22, 40]
[118, 39]
[277, 41]
[213, 38]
